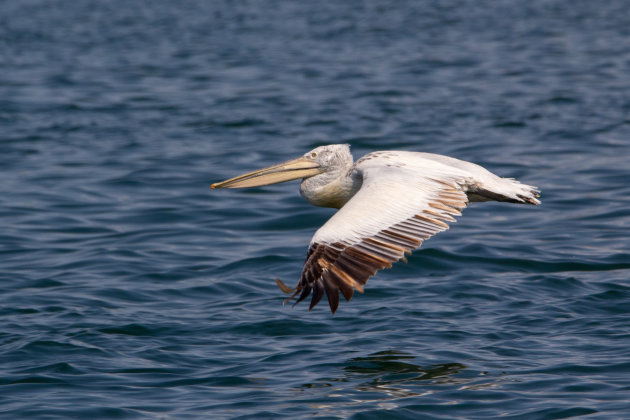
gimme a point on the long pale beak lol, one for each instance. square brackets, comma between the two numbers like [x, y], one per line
[287, 171]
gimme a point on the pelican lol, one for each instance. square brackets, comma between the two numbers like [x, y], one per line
[389, 203]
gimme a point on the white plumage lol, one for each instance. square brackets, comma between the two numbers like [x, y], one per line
[389, 201]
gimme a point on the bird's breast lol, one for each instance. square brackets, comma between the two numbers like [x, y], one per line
[333, 194]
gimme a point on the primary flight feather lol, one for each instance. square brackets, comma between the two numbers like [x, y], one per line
[389, 203]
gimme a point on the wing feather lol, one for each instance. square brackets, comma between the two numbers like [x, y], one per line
[396, 209]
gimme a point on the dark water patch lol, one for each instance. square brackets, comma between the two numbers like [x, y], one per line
[439, 259]
[51, 347]
[42, 284]
[277, 328]
[60, 368]
[510, 124]
[35, 380]
[225, 381]
[131, 329]
[60, 413]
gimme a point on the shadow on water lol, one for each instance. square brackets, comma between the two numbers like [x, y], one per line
[389, 371]
[382, 378]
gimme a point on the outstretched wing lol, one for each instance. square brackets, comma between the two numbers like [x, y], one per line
[398, 206]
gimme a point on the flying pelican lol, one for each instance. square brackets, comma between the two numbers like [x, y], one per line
[389, 202]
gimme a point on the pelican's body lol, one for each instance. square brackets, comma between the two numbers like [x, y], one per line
[389, 201]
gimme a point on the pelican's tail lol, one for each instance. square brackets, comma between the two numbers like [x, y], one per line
[506, 190]
[523, 193]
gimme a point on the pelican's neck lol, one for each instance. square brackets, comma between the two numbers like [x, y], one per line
[331, 189]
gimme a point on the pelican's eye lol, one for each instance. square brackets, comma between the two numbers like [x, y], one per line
[313, 155]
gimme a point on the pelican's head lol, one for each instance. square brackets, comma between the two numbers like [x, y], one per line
[332, 158]
[323, 161]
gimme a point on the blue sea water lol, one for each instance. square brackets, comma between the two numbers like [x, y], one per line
[129, 289]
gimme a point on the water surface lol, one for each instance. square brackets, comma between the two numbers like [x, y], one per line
[129, 289]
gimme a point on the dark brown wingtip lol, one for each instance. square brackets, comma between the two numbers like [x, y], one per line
[286, 289]
[332, 292]
[318, 293]
[333, 302]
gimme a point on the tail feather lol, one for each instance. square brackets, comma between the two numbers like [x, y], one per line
[526, 194]
[509, 191]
